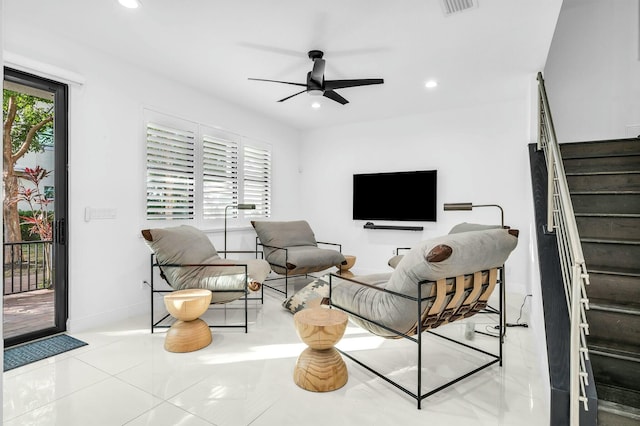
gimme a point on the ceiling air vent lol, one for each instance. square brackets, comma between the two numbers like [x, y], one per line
[455, 6]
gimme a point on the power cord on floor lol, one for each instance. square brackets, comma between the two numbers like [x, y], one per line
[517, 323]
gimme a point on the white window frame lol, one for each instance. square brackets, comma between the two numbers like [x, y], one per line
[213, 165]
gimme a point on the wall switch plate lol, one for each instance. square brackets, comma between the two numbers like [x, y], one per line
[99, 213]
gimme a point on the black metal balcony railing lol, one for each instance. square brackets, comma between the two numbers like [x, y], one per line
[27, 266]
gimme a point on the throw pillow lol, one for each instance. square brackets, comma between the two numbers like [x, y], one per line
[309, 296]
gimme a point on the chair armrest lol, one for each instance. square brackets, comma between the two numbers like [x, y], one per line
[256, 252]
[331, 244]
[275, 248]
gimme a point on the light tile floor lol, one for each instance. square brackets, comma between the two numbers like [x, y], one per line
[125, 377]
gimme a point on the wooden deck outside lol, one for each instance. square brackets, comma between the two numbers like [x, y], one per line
[30, 311]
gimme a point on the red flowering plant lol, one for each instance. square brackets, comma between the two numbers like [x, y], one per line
[40, 221]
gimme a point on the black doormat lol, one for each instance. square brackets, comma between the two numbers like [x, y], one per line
[35, 351]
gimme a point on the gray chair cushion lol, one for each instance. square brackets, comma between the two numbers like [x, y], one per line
[302, 255]
[285, 234]
[472, 251]
[188, 245]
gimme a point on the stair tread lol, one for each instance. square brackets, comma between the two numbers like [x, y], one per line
[629, 241]
[610, 306]
[604, 173]
[629, 192]
[603, 269]
[613, 349]
[609, 215]
[616, 394]
[619, 409]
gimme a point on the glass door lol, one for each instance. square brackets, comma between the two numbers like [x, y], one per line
[34, 206]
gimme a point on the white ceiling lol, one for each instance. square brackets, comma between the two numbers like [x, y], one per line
[484, 54]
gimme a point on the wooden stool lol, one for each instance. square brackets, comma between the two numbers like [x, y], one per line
[320, 367]
[189, 333]
[343, 270]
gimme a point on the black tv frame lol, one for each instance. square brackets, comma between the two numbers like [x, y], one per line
[405, 193]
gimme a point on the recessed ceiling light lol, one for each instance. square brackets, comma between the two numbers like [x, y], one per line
[431, 84]
[315, 105]
[130, 4]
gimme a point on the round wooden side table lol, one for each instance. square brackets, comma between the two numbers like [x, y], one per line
[343, 270]
[189, 333]
[320, 368]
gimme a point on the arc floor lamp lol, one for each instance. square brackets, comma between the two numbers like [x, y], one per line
[503, 298]
[470, 206]
[238, 207]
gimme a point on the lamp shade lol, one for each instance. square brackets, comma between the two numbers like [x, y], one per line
[471, 206]
[458, 206]
[245, 206]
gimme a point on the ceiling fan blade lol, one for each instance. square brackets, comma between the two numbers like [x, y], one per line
[341, 84]
[335, 97]
[317, 74]
[278, 81]
[295, 94]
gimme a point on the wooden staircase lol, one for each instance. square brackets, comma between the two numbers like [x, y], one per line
[604, 182]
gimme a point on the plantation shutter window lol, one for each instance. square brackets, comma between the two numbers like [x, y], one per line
[219, 175]
[194, 172]
[170, 172]
[257, 180]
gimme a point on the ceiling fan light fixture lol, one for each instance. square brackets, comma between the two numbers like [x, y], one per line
[315, 92]
[130, 4]
[316, 105]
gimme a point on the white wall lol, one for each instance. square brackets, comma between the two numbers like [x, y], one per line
[107, 258]
[592, 73]
[481, 156]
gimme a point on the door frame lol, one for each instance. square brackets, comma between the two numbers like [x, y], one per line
[60, 250]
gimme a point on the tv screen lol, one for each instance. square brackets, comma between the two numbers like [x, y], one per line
[401, 196]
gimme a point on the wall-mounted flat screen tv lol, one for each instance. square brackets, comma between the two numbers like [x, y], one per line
[401, 196]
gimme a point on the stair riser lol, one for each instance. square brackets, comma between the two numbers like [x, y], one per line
[601, 148]
[612, 182]
[613, 288]
[612, 255]
[613, 371]
[608, 227]
[619, 396]
[606, 203]
[617, 327]
[604, 164]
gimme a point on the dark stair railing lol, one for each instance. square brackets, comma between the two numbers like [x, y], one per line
[561, 221]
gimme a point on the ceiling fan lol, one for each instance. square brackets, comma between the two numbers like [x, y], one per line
[317, 85]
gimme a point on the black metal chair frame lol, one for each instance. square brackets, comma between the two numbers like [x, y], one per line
[154, 290]
[418, 395]
[287, 275]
